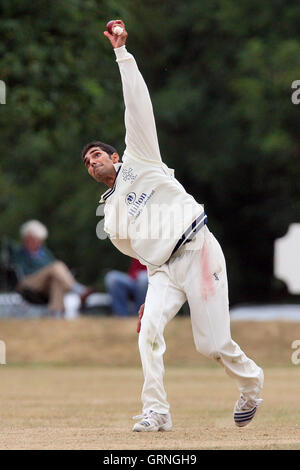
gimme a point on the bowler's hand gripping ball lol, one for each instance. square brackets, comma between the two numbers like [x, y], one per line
[114, 29]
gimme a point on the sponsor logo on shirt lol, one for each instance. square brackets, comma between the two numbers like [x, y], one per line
[139, 203]
[130, 198]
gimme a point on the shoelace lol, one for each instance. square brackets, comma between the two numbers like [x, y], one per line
[250, 403]
[146, 415]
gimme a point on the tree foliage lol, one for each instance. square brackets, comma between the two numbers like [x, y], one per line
[220, 76]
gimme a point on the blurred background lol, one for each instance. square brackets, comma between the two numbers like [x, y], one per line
[220, 76]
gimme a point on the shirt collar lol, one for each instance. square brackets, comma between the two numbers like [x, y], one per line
[111, 190]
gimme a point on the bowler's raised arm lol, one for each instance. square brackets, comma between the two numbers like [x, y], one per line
[141, 137]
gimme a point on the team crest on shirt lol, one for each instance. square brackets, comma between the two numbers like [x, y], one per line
[130, 198]
[127, 175]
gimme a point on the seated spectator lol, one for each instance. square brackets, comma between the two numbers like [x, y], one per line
[124, 288]
[39, 271]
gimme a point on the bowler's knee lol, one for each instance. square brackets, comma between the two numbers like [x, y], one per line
[211, 351]
[146, 335]
[224, 351]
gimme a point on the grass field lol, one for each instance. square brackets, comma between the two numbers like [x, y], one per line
[77, 385]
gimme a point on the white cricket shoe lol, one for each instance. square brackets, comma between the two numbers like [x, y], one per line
[151, 421]
[244, 410]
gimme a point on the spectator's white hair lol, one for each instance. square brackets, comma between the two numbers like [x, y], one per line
[34, 227]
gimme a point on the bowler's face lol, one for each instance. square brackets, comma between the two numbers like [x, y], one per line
[98, 164]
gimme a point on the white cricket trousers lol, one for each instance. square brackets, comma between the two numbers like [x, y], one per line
[198, 277]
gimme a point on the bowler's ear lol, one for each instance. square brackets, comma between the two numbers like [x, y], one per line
[115, 157]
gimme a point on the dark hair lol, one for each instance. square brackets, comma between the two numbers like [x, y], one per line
[96, 143]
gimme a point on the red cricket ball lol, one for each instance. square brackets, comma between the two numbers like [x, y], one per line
[109, 26]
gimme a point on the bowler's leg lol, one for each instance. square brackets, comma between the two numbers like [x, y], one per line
[211, 324]
[163, 300]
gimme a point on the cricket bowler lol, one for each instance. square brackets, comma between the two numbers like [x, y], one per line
[148, 215]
